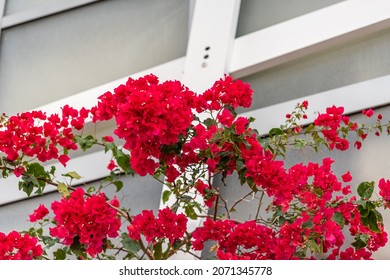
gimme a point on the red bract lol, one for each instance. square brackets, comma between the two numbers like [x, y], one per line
[241, 125]
[267, 173]
[111, 165]
[167, 224]
[350, 254]
[347, 177]
[384, 189]
[89, 220]
[330, 123]
[369, 112]
[225, 92]
[206, 191]
[39, 213]
[16, 246]
[246, 240]
[33, 134]
[226, 118]
[149, 115]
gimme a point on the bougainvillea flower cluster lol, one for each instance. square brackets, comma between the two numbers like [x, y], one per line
[311, 211]
[247, 240]
[36, 135]
[167, 224]
[17, 246]
[89, 220]
[39, 213]
[148, 115]
[152, 116]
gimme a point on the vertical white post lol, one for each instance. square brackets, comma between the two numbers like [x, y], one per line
[212, 34]
[2, 11]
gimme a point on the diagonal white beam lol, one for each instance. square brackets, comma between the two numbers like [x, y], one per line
[2, 9]
[307, 34]
[367, 94]
[43, 11]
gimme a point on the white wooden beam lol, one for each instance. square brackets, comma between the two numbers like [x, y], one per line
[368, 94]
[212, 34]
[2, 9]
[307, 34]
[43, 10]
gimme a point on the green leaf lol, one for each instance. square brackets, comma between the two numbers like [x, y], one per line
[251, 119]
[49, 241]
[130, 244]
[338, 218]
[85, 142]
[76, 247]
[63, 189]
[123, 161]
[26, 187]
[190, 212]
[52, 170]
[240, 165]
[109, 146]
[314, 247]
[365, 190]
[118, 185]
[166, 195]
[36, 169]
[309, 128]
[73, 175]
[363, 211]
[157, 251]
[5, 173]
[60, 254]
[275, 132]
[361, 241]
[186, 198]
[373, 220]
[209, 122]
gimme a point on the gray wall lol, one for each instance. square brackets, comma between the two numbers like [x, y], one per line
[61, 55]
[357, 61]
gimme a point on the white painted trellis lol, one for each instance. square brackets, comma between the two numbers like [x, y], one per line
[213, 50]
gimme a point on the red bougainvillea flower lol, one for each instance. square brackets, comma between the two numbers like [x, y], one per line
[206, 191]
[368, 112]
[384, 190]
[39, 213]
[225, 117]
[108, 139]
[225, 92]
[330, 123]
[167, 224]
[246, 240]
[63, 159]
[91, 220]
[149, 115]
[347, 177]
[18, 171]
[16, 246]
[33, 134]
[111, 165]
